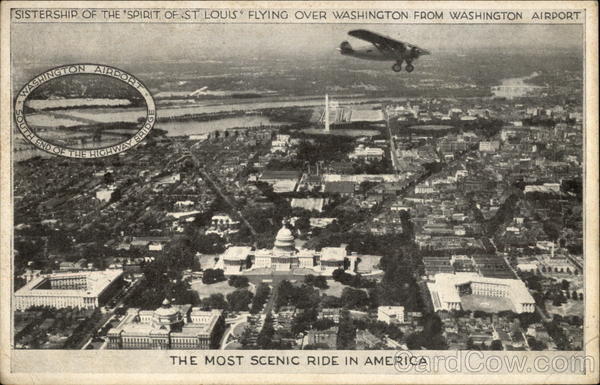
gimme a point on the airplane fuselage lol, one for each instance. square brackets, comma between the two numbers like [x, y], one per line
[383, 48]
[372, 53]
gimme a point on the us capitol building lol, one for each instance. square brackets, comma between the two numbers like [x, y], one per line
[285, 257]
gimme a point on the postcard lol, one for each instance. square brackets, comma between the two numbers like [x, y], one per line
[299, 192]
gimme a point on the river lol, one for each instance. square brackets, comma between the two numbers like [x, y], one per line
[83, 116]
[111, 115]
[191, 127]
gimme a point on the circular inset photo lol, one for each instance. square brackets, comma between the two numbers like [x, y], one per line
[84, 111]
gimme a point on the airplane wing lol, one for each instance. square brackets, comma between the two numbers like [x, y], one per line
[385, 43]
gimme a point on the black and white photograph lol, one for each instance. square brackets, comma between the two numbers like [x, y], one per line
[293, 182]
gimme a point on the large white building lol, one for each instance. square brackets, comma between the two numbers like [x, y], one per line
[390, 314]
[449, 291]
[514, 90]
[168, 327]
[85, 289]
[223, 224]
[367, 153]
[284, 257]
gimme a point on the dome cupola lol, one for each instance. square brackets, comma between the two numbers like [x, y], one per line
[166, 315]
[284, 238]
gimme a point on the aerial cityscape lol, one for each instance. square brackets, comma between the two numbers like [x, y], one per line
[307, 199]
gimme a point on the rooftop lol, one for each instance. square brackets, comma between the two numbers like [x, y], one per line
[280, 174]
[309, 203]
[96, 282]
[132, 326]
[339, 187]
[446, 286]
[333, 253]
[237, 253]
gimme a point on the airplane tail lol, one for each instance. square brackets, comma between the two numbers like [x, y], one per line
[345, 47]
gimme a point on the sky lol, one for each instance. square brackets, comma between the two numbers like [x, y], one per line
[59, 43]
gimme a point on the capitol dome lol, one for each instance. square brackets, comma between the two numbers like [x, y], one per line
[284, 238]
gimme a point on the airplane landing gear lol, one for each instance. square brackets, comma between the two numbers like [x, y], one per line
[409, 67]
[397, 67]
